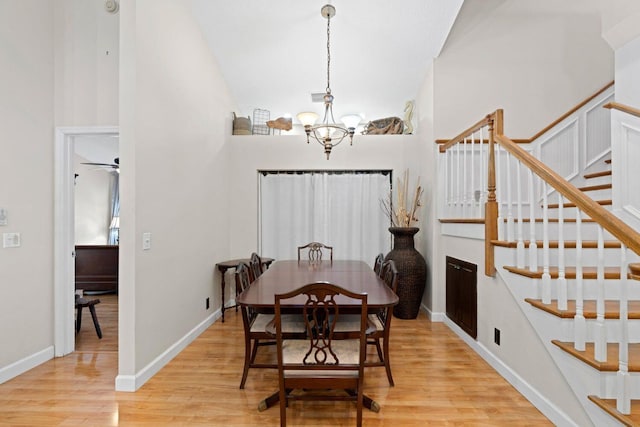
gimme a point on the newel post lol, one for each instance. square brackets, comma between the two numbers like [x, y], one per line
[491, 206]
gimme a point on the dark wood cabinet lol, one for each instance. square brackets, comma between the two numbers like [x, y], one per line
[462, 296]
[97, 268]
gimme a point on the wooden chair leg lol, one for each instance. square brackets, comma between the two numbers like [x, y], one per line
[387, 364]
[94, 316]
[377, 343]
[78, 318]
[247, 359]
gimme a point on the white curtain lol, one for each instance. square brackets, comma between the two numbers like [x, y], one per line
[339, 209]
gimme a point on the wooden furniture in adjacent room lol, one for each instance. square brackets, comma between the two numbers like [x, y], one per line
[80, 304]
[97, 268]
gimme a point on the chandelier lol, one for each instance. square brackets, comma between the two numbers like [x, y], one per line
[328, 133]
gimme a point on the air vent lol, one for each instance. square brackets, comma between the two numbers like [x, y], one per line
[317, 97]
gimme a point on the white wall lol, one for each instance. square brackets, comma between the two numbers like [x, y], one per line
[627, 72]
[535, 60]
[174, 120]
[92, 192]
[422, 162]
[26, 120]
[86, 63]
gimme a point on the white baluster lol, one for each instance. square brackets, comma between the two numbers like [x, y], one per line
[520, 238]
[510, 224]
[623, 403]
[465, 179]
[579, 321]
[562, 281]
[483, 173]
[474, 160]
[600, 333]
[450, 196]
[499, 187]
[546, 276]
[533, 245]
[458, 200]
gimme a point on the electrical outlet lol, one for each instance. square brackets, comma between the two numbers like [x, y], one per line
[207, 303]
[496, 336]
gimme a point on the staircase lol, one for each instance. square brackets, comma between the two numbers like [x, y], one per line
[595, 378]
[571, 264]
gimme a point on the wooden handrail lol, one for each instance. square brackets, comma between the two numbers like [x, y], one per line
[570, 112]
[610, 222]
[460, 137]
[622, 107]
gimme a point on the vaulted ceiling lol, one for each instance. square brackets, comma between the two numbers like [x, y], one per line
[273, 54]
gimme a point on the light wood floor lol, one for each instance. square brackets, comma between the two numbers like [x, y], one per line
[439, 382]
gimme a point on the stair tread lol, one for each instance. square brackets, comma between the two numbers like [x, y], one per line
[569, 244]
[611, 365]
[573, 205]
[570, 272]
[596, 187]
[597, 174]
[609, 406]
[611, 308]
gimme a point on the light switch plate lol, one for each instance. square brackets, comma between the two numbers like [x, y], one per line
[146, 241]
[3, 217]
[10, 240]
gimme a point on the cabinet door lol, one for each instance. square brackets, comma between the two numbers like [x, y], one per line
[461, 294]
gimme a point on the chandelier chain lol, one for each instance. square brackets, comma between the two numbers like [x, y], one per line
[328, 52]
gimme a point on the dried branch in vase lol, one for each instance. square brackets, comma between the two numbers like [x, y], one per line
[403, 215]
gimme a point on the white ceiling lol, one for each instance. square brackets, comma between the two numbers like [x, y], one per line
[273, 53]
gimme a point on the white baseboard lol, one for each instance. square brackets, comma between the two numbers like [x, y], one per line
[134, 382]
[23, 365]
[544, 405]
[434, 317]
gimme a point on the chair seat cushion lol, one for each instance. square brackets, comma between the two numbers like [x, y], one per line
[351, 323]
[291, 323]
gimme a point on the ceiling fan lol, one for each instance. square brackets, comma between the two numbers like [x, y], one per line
[115, 165]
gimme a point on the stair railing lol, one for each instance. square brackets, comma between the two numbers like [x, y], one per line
[504, 157]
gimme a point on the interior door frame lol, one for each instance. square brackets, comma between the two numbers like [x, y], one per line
[64, 233]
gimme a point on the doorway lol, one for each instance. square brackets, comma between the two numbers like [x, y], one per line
[64, 232]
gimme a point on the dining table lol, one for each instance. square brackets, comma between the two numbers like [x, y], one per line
[288, 275]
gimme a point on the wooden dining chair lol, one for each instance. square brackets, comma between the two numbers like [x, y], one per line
[377, 264]
[382, 322]
[379, 323]
[255, 266]
[255, 327]
[315, 250]
[323, 360]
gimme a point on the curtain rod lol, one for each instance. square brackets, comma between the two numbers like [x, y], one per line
[383, 172]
